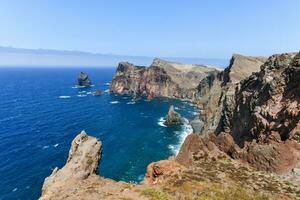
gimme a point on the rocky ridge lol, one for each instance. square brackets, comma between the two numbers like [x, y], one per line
[162, 78]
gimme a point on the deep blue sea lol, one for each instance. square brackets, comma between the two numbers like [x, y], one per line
[41, 112]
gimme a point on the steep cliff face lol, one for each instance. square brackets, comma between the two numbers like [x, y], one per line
[162, 78]
[216, 92]
[268, 103]
[260, 113]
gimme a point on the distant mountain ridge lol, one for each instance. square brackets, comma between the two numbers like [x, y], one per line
[49, 57]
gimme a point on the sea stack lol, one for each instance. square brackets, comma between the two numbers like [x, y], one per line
[173, 117]
[83, 80]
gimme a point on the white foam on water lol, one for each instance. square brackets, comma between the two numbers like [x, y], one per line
[106, 91]
[78, 86]
[15, 189]
[186, 129]
[82, 92]
[81, 95]
[64, 97]
[56, 145]
[89, 93]
[131, 102]
[141, 177]
[161, 122]
[114, 102]
[92, 85]
[45, 147]
[176, 108]
[107, 83]
[194, 112]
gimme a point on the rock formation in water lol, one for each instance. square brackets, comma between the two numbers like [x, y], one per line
[83, 80]
[97, 93]
[173, 117]
[162, 78]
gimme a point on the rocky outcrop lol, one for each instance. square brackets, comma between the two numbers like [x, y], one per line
[83, 80]
[162, 78]
[241, 67]
[78, 179]
[216, 92]
[173, 117]
[256, 119]
[97, 93]
[83, 160]
[197, 125]
[268, 103]
[206, 172]
[158, 172]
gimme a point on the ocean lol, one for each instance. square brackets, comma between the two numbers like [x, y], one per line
[42, 111]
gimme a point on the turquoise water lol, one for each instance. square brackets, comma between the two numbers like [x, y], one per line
[41, 113]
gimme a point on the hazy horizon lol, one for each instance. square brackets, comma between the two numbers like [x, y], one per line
[10, 56]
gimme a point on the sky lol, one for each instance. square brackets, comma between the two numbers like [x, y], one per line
[165, 28]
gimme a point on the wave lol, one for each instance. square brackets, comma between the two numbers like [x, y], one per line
[131, 102]
[82, 92]
[89, 93]
[194, 112]
[161, 122]
[186, 129]
[107, 83]
[45, 147]
[81, 95]
[114, 102]
[78, 86]
[56, 145]
[64, 97]
[106, 91]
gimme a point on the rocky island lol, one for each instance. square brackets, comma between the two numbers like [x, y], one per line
[173, 117]
[83, 80]
[248, 146]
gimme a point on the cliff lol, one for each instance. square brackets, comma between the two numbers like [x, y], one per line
[162, 78]
[259, 112]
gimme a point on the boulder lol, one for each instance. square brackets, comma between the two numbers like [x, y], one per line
[83, 80]
[173, 117]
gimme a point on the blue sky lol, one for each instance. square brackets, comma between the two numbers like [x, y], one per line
[207, 29]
